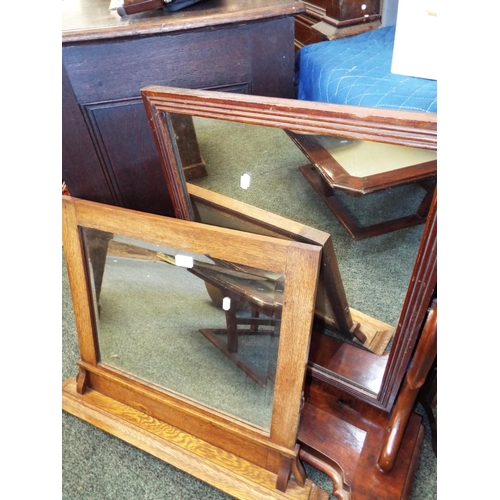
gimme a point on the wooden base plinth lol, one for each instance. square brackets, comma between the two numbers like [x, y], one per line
[210, 464]
[347, 449]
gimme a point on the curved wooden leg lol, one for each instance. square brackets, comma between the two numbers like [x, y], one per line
[284, 473]
[298, 470]
[81, 380]
[290, 465]
[323, 464]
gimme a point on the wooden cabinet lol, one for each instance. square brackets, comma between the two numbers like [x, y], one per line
[329, 19]
[109, 153]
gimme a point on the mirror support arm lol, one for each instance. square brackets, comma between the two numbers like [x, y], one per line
[425, 354]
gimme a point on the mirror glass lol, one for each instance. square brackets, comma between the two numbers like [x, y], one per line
[204, 329]
[259, 165]
[366, 158]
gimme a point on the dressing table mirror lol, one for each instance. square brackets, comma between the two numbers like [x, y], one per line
[147, 372]
[376, 273]
[247, 145]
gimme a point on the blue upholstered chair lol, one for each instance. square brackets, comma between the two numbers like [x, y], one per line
[356, 71]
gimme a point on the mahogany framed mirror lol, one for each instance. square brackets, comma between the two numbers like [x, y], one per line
[149, 376]
[246, 145]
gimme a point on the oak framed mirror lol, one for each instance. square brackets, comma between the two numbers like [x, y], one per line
[245, 143]
[149, 376]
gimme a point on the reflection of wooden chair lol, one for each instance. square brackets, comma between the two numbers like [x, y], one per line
[357, 71]
[249, 297]
[250, 303]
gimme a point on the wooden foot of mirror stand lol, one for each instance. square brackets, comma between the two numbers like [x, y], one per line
[81, 380]
[379, 449]
[340, 490]
[349, 456]
[355, 230]
[298, 471]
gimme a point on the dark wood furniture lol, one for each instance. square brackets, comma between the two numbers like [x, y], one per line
[362, 446]
[109, 154]
[358, 423]
[330, 19]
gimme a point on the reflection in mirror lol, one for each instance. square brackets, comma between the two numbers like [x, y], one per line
[357, 167]
[259, 165]
[187, 323]
[364, 158]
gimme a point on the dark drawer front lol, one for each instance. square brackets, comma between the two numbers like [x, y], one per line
[304, 34]
[347, 11]
[355, 9]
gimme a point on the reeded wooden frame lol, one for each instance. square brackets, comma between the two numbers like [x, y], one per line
[404, 128]
[99, 389]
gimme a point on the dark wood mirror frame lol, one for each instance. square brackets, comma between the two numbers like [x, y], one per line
[412, 129]
[141, 413]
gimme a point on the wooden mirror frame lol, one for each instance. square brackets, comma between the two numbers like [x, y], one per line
[413, 129]
[157, 419]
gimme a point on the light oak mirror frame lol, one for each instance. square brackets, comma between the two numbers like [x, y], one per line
[113, 400]
[413, 129]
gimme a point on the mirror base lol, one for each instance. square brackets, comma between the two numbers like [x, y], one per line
[353, 465]
[236, 477]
